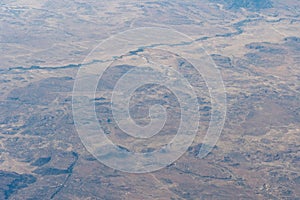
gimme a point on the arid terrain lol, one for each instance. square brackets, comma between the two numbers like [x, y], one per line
[254, 44]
